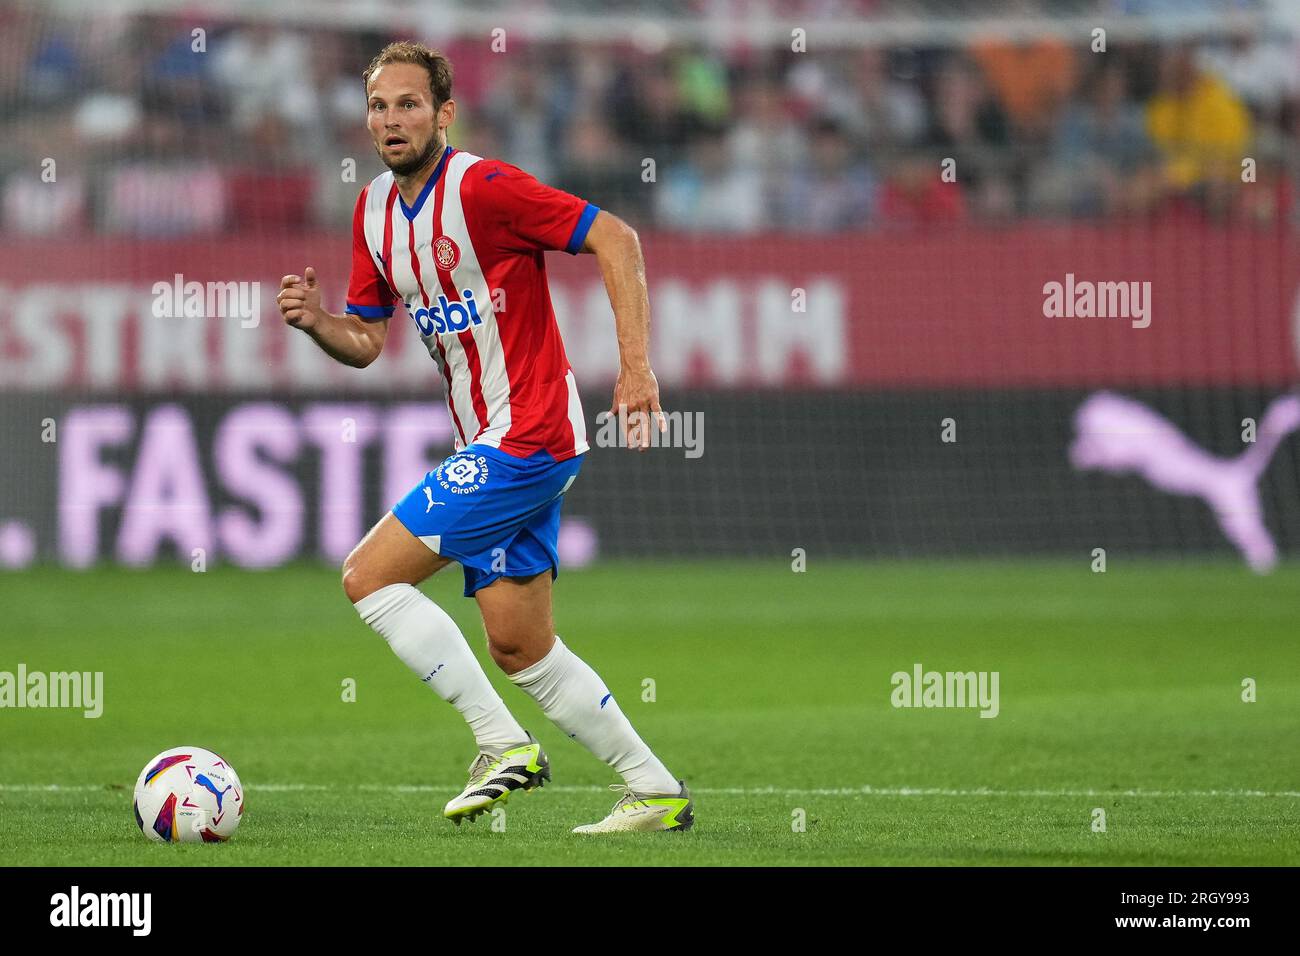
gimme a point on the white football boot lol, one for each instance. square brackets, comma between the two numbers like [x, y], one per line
[493, 778]
[646, 813]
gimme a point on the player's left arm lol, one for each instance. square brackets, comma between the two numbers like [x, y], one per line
[618, 251]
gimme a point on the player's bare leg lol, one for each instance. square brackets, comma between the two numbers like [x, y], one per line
[379, 578]
[518, 621]
[388, 554]
[521, 637]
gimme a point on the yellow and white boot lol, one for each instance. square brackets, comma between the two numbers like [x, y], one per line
[646, 813]
[493, 778]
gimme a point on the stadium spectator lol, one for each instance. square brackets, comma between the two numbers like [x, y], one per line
[1264, 73]
[19, 33]
[1201, 129]
[763, 141]
[877, 109]
[593, 163]
[968, 126]
[526, 110]
[702, 79]
[916, 193]
[110, 114]
[707, 193]
[148, 97]
[834, 191]
[1030, 80]
[1102, 162]
[266, 75]
[646, 107]
[163, 201]
[54, 70]
[175, 83]
[30, 207]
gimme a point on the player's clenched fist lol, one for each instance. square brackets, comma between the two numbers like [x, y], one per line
[299, 299]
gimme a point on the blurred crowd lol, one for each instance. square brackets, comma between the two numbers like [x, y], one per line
[155, 130]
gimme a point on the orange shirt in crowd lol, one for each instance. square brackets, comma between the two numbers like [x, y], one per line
[1028, 79]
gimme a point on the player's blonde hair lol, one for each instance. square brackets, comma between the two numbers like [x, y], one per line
[409, 51]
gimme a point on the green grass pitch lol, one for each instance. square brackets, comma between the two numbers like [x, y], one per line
[1119, 691]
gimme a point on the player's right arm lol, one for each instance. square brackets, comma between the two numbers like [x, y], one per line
[346, 338]
[357, 337]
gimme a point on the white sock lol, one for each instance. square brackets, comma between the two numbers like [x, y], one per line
[573, 696]
[428, 641]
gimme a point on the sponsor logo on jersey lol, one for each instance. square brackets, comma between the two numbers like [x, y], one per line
[448, 316]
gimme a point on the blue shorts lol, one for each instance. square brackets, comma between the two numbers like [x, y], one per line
[496, 514]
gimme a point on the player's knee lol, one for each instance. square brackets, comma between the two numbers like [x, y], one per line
[508, 653]
[514, 645]
[358, 582]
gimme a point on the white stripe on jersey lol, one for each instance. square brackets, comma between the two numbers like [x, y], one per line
[372, 222]
[575, 415]
[457, 359]
[404, 276]
[494, 379]
[458, 396]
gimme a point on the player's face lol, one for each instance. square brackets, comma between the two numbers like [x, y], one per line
[404, 124]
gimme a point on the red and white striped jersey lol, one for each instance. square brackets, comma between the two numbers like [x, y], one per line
[468, 262]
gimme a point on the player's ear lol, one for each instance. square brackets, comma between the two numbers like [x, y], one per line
[446, 114]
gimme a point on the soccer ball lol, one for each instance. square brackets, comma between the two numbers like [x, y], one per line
[188, 795]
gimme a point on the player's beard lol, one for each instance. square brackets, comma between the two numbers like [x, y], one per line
[412, 166]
